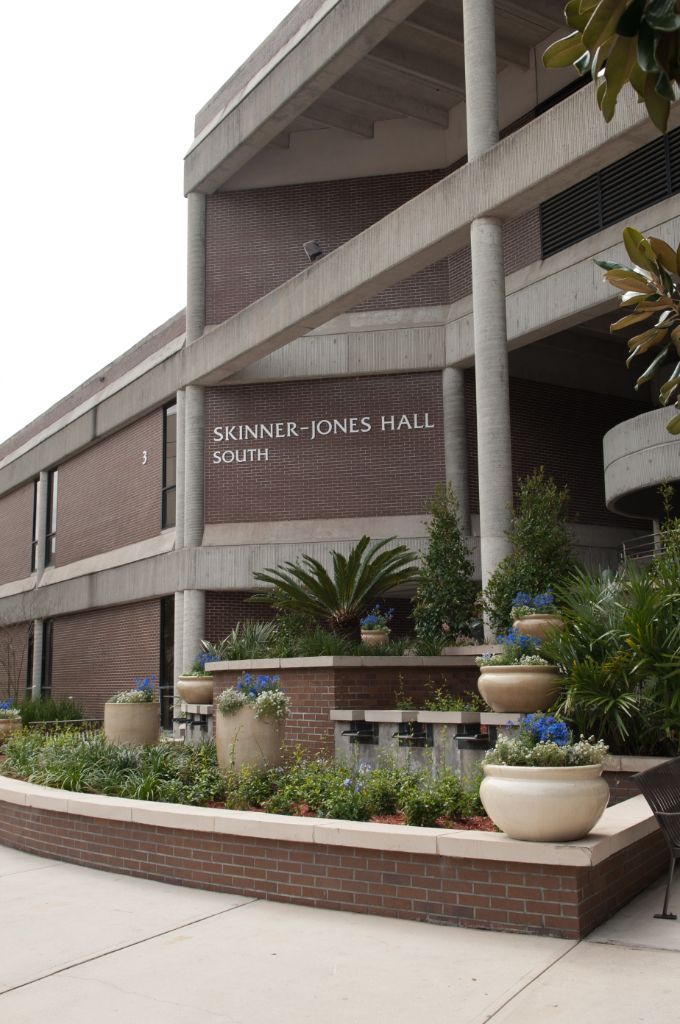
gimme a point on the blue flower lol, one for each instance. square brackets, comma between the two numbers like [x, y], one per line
[347, 782]
[546, 729]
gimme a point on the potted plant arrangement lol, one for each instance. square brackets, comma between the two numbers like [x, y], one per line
[375, 627]
[542, 786]
[10, 719]
[196, 685]
[250, 721]
[518, 678]
[535, 616]
[133, 717]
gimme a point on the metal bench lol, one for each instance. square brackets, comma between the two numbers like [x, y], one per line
[660, 787]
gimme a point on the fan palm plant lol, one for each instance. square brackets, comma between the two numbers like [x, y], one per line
[338, 598]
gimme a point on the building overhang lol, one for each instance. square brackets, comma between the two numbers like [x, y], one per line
[346, 65]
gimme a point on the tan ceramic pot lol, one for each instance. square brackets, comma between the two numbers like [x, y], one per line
[195, 689]
[544, 805]
[241, 738]
[539, 626]
[133, 725]
[8, 726]
[375, 637]
[525, 688]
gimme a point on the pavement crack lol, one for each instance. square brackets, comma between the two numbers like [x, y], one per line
[125, 945]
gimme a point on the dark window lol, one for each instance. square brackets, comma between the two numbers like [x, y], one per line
[46, 672]
[169, 465]
[51, 523]
[166, 681]
[36, 529]
[642, 178]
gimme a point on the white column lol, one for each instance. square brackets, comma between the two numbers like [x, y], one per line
[179, 473]
[455, 439]
[193, 602]
[488, 297]
[36, 675]
[41, 522]
[194, 624]
[178, 646]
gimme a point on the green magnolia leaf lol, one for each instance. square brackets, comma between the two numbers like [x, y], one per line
[574, 17]
[628, 279]
[653, 366]
[608, 265]
[603, 22]
[662, 17]
[664, 87]
[630, 20]
[564, 52]
[639, 249]
[648, 339]
[646, 48]
[673, 426]
[617, 73]
[658, 107]
[628, 321]
[666, 256]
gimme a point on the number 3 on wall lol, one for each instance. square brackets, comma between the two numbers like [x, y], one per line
[145, 458]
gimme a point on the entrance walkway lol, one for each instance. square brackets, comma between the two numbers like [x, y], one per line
[79, 946]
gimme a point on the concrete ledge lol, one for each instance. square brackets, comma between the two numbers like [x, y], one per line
[619, 826]
[481, 880]
[344, 661]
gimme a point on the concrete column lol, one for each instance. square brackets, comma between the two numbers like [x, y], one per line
[481, 87]
[455, 439]
[195, 267]
[194, 624]
[193, 603]
[492, 389]
[178, 647]
[488, 297]
[179, 473]
[36, 677]
[41, 521]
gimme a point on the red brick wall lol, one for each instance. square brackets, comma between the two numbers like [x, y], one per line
[538, 899]
[254, 239]
[97, 653]
[107, 497]
[14, 641]
[16, 530]
[561, 429]
[359, 474]
[314, 692]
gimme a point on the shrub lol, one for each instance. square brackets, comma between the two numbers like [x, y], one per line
[306, 588]
[541, 555]
[444, 601]
[47, 709]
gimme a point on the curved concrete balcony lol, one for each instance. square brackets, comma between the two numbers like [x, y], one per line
[639, 455]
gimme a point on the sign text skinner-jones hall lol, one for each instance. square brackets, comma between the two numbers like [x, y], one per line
[243, 434]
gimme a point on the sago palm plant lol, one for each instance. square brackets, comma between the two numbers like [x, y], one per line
[338, 598]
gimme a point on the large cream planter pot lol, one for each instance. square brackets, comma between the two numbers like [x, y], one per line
[544, 805]
[241, 738]
[134, 725]
[539, 626]
[375, 637]
[195, 689]
[525, 688]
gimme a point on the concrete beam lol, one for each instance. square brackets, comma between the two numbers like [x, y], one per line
[448, 23]
[344, 35]
[409, 106]
[330, 116]
[528, 166]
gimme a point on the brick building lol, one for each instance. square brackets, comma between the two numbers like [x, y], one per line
[296, 405]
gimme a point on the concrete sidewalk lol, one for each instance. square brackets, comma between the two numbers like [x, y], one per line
[86, 947]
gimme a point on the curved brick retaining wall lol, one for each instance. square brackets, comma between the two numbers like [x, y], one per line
[479, 880]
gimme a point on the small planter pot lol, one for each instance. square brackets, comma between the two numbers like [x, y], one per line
[525, 688]
[539, 626]
[242, 738]
[8, 726]
[196, 689]
[375, 637]
[133, 725]
[544, 805]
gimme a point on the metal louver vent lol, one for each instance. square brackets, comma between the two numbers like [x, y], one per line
[638, 180]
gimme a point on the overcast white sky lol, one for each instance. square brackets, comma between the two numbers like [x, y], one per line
[98, 103]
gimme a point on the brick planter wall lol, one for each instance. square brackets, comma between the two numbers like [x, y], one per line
[317, 685]
[474, 880]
